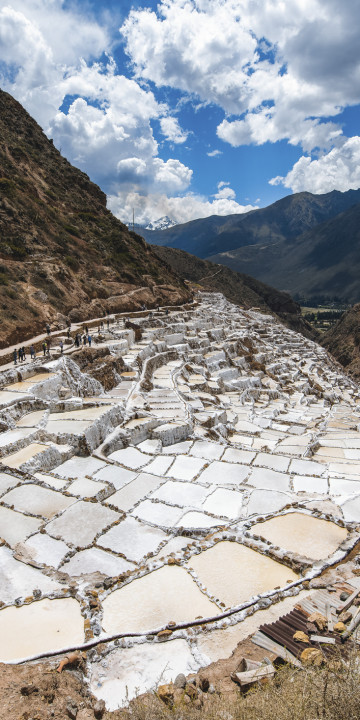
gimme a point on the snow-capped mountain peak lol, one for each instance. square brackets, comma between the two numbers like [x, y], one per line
[161, 224]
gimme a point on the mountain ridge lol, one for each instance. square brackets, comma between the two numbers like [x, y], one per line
[285, 219]
[63, 255]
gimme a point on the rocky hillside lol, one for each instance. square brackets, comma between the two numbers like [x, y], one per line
[238, 288]
[62, 253]
[284, 220]
[343, 341]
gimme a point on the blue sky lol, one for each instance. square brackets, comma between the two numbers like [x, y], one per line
[189, 108]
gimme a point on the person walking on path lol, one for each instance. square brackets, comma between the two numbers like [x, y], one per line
[23, 353]
[15, 356]
[84, 340]
[20, 354]
[61, 347]
[48, 329]
[44, 348]
[32, 352]
[89, 340]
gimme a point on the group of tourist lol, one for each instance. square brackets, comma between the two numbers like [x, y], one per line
[20, 355]
[85, 339]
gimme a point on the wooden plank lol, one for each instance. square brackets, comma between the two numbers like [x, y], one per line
[322, 639]
[252, 676]
[345, 605]
[329, 617]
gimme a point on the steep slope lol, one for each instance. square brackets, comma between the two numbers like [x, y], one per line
[62, 253]
[285, 219]
[322, 263]
[238, 288]
[343, 341]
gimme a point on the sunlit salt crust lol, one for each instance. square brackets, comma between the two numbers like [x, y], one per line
[125, 490]
[165, 595]
[234, 573]
[45, 625]
[302, 534]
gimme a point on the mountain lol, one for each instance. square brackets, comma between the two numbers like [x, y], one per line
[323, 263]
[238, 288]
[161, 224]
[284, 220]
[62, 253]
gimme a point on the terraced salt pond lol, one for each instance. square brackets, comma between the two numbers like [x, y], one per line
[200, 490]
[40, 627]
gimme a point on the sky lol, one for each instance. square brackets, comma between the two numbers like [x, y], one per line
[191, 108]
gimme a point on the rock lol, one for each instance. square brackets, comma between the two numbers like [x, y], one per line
[191, 691]
[339, 627]
[344, 596]
[108, 582]
[180, 681]
[164, 634]
[71, 709]
[312, 656]
[166, 694]
[300, 636]
[211, 689]
[30, 689]
[345, 616]
[204, 684]
[319, 620]
[99, 709]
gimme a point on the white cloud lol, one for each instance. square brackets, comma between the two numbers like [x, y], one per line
[281, 69]
[214, 153]
[106, 130]
[38, 45]
[200, 48]
[171, 129]
[337, 170]
[149, 208]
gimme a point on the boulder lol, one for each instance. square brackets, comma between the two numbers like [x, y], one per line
[312, 656]
[319, 620]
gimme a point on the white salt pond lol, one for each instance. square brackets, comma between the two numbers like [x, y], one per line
[127, 672]
[302, 534]
[234, 573]
[182, 456]
[152, 601]
[17, 459]
[42, 626]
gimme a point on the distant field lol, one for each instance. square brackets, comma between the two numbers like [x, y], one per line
[321, 318]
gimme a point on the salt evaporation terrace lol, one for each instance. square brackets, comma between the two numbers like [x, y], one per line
[218, 476]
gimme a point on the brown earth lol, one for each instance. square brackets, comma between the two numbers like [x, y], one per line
[238, 288]
[343, 341]
[100, 364]
[62, 253]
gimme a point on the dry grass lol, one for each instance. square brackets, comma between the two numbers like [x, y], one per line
[330, 693]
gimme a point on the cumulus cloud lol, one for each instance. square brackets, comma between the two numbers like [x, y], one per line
[149, 208]
[106, 128]
[339, 169]
[280, 68]
[38, 45]
[171, 129]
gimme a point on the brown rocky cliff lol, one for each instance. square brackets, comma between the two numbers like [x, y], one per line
[343, 341]
[61, 251]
